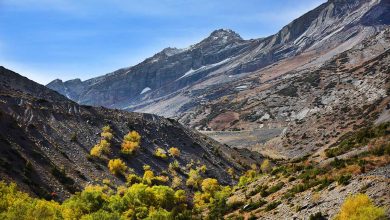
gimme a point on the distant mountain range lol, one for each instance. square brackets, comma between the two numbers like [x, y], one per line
[172, 81]
[246, 92]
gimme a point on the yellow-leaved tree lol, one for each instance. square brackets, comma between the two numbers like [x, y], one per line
[174, 152]
[106, 133]
[102, 147]
[265, 166]
[117, 166]
[159, 152]
[359, 207]
[131, 142]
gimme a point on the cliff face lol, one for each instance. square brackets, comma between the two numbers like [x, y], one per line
[45, 140]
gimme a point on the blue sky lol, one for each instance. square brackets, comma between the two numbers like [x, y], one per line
[48, 39]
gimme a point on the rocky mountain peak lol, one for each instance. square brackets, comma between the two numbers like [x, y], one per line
[170, 51]
[225, 35]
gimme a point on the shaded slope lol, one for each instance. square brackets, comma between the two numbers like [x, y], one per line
[51, 136]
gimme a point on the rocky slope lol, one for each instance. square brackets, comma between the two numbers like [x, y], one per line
[305, 110]
[320, 184]
[45, 140]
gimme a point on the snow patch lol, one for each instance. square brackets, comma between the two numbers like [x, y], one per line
[192, 71]
[241, 87]
[146, 89]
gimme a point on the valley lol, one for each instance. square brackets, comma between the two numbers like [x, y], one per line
[295, 125]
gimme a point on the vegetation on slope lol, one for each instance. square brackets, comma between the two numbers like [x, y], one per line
[160, 197]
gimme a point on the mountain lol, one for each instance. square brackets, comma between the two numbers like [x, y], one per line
[45, 141]
[171, 82]
[263, 93]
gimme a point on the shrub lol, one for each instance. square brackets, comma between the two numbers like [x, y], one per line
[176, 182]
[159, 214]
[107, 136]
[272, 205]
[148, 177]
[133, 136]
[344, 179]
[231, 172]
[202, 169]
[174, 152]
[210, 185]
[161, 153]
[102, 147]
[106, 133]
[180, 196]
[317, 216]
[146, 167]
[96, 151]
[131, 142]
[258, 189]
[194, 179]
[133, 178]
[338, 163]
[359, 207]
[117, 166]
[254, 205]
[380, 149]
[325, 182]
[265, 166]
[174, 165]
[160, 180]
[248, 177]
[276, 188]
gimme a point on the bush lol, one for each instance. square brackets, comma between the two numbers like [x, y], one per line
[359, 207]
[96, 151]
[202, 169]
[161, 153]
[148, 177]
[275, 188]
[102, 147]
[117, 166]
[344, 179]
[210, 185]
[194, 179]
[254, 205]
[338, 163]
[174, 152]
[132, 179]
[317, 216]
[106, 133]
[258, 189]
[131, 142]
[381, 149]
[174, 165]
[265, 166]
[272, 205]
